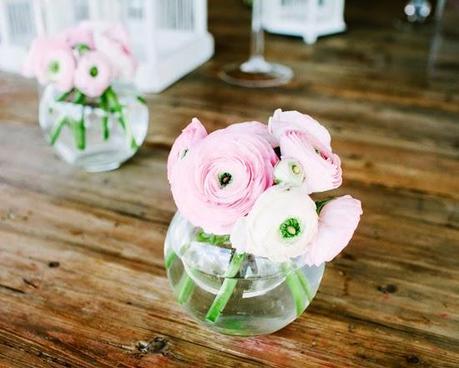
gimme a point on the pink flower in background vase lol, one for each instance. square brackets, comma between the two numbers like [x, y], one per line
[34, 57]
[321, 167]
[93, 75]
[338, 220]
[193, 133]
[114, 44]
[82, 34]
[56, 66]
[220, 178]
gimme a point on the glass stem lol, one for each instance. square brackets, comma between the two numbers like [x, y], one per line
[257, 41]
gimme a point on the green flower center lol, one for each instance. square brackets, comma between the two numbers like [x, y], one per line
[295, 169]
[93, 71]
[53, 67]
[290, 228]
[224, 179]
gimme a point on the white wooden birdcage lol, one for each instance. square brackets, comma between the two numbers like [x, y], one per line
[19, 25]
[169, 37]
[306, 18]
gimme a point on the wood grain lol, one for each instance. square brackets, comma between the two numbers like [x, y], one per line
[82, 282]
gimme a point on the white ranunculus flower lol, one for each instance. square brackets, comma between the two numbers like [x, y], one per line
[280, 225]
[289, 171]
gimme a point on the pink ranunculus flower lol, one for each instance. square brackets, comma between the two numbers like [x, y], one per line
[93, 74]
[280, 225]
[282, 122]
[193, 133]
[221, 177]
[254, 127]
[35, 62]
[57, 66]
[321, 167]
[338, 220]
[114, 44]
[283, 224]
[34, 57]
[82, 34]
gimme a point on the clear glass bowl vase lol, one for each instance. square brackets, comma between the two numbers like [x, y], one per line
[97, 134]
[233, 293]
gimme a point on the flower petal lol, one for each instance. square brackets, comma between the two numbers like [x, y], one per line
[337, 222]
[322, 168]
[192, 134]
[254, 127]
[283, 121]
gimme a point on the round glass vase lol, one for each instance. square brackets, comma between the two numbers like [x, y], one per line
[96, 134]
[235, 293]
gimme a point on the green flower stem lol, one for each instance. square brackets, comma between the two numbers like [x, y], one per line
[105, 127]
[204, 237]
[105, 130]
[227, 288]
[57, 129]
[79, 132]
[295, 287]
[321, 203]
[305, 284]
[115, 105]
[63, 96]
[185, 288]
[170, 258]
[186, 285]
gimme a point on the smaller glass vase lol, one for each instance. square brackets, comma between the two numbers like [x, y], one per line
[235, 293]
[94, 134]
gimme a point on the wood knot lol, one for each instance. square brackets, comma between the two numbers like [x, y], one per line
[387, 289]
[53, 264]
[157, 345]
[412, 359]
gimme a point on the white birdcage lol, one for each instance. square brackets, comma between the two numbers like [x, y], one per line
[19, 25]
[169, 37]
[306, 18]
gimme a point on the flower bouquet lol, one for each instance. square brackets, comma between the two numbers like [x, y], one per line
[89, 111]
[245, 252]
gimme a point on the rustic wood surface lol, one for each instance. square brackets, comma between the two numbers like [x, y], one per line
[82, 281]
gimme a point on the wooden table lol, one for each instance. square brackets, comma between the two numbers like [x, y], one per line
[82, 281]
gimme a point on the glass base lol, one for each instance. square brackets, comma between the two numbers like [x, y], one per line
[256, 73]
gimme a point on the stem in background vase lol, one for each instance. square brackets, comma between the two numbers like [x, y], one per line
[79, 129]
[104, 106]
[115, 105]
[79, 132]
[227, 288]
[57, 130]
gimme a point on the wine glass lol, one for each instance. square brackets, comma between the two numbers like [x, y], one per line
[256, 72]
